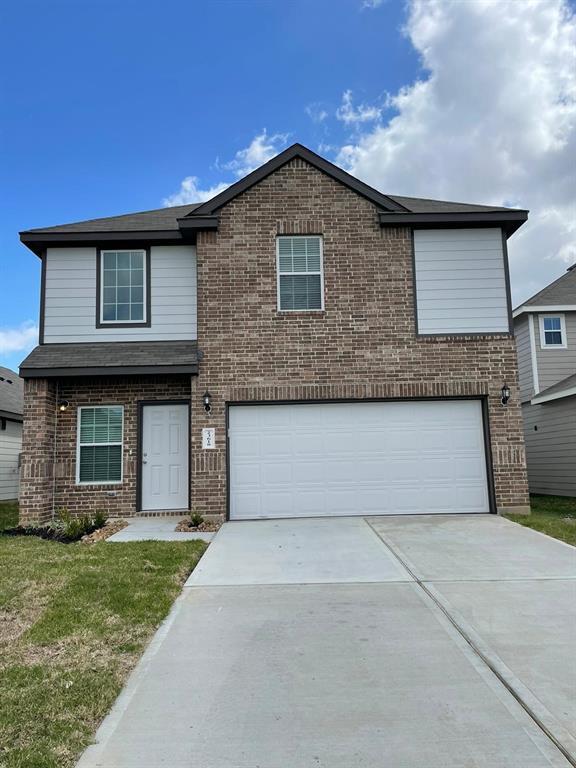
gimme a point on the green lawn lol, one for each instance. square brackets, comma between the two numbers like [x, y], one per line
[74, 619]
[554, 515]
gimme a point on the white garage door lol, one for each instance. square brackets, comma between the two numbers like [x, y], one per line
[300, 460]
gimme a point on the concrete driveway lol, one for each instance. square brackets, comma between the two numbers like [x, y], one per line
[433, 642]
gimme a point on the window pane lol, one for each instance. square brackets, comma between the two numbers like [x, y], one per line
[109, 295]
[314, 262]
[123, 295]
[87, 425]
[109, 260]
[123, 277]
[553, 337]
[285, 263]
[123, 260]
[136, 295]
[137, 277]
[137, 312]
[137, 260]
[100, 464]
[300, 292]
[123, 312]
[109, 277]
[109, 312]
[552, 324]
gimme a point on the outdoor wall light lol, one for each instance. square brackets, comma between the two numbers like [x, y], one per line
[505, 394]
[207, 401]
[63, 405]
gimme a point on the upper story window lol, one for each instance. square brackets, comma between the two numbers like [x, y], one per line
[552, 331]
[300, 273]
[124, 287]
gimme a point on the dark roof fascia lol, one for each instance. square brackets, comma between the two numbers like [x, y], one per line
[296, 150]
[510, 221]
[37, 242]
[197, 223]
[10, 416]
[103, 370]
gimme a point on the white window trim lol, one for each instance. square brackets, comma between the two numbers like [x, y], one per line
[543, 344]
[144, 320]
[278, 274]
[78, 446]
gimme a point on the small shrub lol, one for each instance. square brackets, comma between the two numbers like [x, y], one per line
[100, 518]
[196, 519]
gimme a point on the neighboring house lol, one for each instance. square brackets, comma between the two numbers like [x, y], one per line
[545, 328]
[301, 344]
[11, 408]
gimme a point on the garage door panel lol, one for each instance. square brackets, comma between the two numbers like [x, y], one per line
[357, 458]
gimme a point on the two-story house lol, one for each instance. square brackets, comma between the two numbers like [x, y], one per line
[545, 327]
[299, 345]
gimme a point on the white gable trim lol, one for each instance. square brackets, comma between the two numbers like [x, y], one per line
[544, 308]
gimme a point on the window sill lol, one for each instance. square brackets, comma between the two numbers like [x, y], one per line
[287, 313]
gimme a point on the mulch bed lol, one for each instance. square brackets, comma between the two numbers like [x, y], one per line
[43, 531]
[185, 526]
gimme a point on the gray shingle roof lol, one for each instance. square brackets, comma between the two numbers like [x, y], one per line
[425, 205]
[562, 291]
[165, 219]
[159, 219]
[11, 392]
[111, 358]
[568, 383]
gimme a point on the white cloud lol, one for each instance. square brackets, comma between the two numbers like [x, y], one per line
[351, 115]
[190, 192]
[372, 4]
[20, 339]
[316, 112]
[261, 149]
[493, 121]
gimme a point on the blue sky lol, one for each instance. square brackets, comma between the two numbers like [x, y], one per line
[108, 106]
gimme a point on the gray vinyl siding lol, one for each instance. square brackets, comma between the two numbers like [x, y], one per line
[460, 281]
[551, 449]
[10, 447]
[556, 364]
[522, 333]
[70, 299]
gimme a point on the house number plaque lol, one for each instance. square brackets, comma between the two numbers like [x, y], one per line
[208, 438]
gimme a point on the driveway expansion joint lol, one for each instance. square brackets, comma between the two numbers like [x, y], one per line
[491, 660]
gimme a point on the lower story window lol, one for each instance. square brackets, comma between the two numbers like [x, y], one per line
[99, 457]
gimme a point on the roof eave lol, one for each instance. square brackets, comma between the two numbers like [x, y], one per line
[539, 400]
[103, 370]
[37, 242]
[509, 221]
[535, 308]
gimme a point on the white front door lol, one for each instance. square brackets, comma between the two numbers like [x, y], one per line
[363, 458]
[165, 456]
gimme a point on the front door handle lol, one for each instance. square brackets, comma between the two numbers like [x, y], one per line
[144, 461]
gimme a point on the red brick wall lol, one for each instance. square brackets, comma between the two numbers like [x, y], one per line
[64, 493]
[36, 471]
[362, 345]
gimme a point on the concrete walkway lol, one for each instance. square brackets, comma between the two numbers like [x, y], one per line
[444, 642]
[156, 529]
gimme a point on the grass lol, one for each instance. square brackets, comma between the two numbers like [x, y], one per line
[8, 514]
[553, 515]
[74, 619]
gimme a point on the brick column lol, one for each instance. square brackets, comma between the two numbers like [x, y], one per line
[36, 474]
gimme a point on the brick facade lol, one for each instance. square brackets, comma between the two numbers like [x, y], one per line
[363, 344]
[43, 492]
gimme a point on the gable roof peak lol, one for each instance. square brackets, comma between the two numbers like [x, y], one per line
[384, 202]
